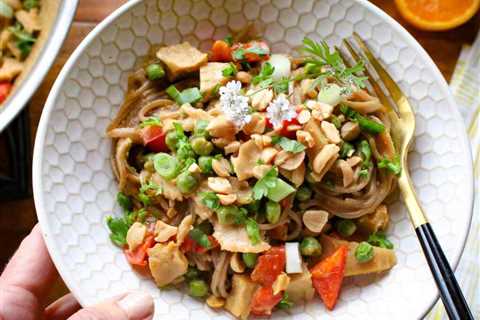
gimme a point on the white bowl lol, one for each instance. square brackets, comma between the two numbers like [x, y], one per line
[56, 17]
[74, 186]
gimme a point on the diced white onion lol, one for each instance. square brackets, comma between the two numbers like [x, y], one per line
[292, 254]
[282, 66]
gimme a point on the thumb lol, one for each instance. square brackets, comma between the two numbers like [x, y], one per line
[131, 306]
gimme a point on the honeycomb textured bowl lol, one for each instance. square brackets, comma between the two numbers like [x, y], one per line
[75, 188]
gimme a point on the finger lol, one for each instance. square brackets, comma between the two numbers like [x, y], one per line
[62, 308]
[131, 306]
[26, 279]
[30, 267]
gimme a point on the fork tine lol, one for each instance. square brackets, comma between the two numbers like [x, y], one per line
[395, 92]
[378, 90]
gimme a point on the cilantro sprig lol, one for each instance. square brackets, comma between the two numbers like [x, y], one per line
[324, 63]
[268, 181]
[288, 144]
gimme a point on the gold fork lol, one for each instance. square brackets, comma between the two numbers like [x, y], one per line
[402, 117]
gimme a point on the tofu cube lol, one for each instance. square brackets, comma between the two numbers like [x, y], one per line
[181, 59]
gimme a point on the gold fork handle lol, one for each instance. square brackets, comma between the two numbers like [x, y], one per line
[450, 292]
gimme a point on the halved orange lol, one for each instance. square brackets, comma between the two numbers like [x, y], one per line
[437, 15]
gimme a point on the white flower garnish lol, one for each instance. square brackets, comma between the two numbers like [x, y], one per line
[235, 105]
[280, 110]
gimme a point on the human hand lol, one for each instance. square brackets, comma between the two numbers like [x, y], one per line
[28, 276]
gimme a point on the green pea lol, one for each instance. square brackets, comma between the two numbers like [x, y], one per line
[226, 215]
[364, 252]
[155, 71]
[250, 259]
[205, 164]
[310, 247]
[124, 201]
[171, 140]
[304, 193]
[185, 151]
[273, 211]
[198, 288]
[201, 146]
[346, 227]
[192, 273]
[186, 182]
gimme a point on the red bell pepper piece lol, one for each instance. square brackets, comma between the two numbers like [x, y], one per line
[263, 301]
[154, 138]
[221, 51]
[138, 257]
[328, 274]
[5, 88]
[269, 266]
[283, 131]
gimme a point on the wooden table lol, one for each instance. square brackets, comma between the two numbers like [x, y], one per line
[18, 217]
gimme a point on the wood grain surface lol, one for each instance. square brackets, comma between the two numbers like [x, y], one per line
[18, 217]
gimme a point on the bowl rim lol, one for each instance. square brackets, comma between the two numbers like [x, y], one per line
[42, 64]
[56, 88]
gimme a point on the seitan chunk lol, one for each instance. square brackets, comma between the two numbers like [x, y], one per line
[300, 287]
[383, 259]
[181, 59]
[211, 76]
[166, 263]
[10, 69]
[238, 302]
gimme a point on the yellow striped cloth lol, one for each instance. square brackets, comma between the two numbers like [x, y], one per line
[465, 86]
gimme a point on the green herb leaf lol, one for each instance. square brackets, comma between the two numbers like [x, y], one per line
[124, 201]
[24, 39]
[265, 72]
[229, 40]
[200, 237]
[30, 4]
[319, 55]
[289, 145]
[346, 150]
[150, 121]
[118, 228]
[253, 231]
[269, 180]
[238, 54]
[379, 239]
[230, 70]
[257, 50]
[210, 199]
[393, 166]
[285, 303]
[281, 86]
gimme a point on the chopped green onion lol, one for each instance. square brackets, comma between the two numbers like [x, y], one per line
[155, 71]
[144, 199]
[364, 252]
[365, 150]
[150, 121]
[250, 259]
[118, 228]
[253, 231]
[30, 4]
[200, 237]
[198, 288]
[369, 125]
[166, 165]
[393, 166]
[336, 121]
[190, 95]
[346, 227]
[310, 247]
